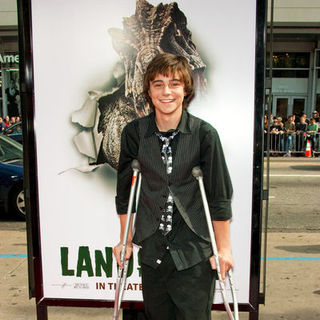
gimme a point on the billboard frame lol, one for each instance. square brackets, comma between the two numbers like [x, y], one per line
[31, 183]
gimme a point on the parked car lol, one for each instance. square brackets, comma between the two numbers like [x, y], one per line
[11, 177]
[14, 131]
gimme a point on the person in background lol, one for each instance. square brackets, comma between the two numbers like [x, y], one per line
[305, 117]
[312, 129]
[280, 123]
[276, 137]
[271, 119]
[2, 126]
[7, 121]
[12, 120]
[13, 98]
[290, 129]
[315, 115]
[301, 130]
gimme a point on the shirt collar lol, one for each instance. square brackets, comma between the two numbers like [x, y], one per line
[183, 126]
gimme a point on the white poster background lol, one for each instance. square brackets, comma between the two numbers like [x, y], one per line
[73, 54]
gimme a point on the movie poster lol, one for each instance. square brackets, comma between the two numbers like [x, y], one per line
[89, 59]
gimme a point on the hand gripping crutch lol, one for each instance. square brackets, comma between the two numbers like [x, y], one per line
[197, 173]
[122, 272]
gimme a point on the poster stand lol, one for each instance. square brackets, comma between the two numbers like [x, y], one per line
[31, 187]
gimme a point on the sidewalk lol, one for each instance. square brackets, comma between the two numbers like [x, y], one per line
[293, 286]
[294, 159]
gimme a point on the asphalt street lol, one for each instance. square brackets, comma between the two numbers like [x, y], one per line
[292, 264]
[294, 204]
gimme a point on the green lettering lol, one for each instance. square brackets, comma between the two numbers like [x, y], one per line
[9, 59]
[84, 262]
[130, 267]
[105, 264]
[64, 262]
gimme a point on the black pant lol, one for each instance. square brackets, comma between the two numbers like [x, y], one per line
[178, 295]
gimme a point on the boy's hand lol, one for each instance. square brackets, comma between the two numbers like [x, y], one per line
[117, 252]
[225, 260]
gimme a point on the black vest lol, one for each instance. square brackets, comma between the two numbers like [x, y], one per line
[156, 184]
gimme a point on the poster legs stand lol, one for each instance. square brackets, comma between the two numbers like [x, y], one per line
[133, 314]
[254, 315]
[42, 312]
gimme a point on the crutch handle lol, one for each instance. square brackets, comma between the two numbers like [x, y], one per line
[135, 165]
[197, 172]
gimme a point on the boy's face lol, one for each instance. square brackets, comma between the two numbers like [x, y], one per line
[167, 94]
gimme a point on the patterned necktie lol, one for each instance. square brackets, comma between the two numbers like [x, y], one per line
[166, 154]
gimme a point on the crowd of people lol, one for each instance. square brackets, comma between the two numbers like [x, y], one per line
[291, 135]
[8, 121]
[288, 135]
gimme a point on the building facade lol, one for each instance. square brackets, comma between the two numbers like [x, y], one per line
[295, 57]
[9, 59]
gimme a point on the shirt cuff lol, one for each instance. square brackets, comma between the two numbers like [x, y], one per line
[122, 206]
[221, 210]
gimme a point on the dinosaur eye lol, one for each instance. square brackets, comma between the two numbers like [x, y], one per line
[178, 33]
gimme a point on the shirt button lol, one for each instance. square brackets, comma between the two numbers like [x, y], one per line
[158, 261]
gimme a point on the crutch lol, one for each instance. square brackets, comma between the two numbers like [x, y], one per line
[197, 173]
[122, 273]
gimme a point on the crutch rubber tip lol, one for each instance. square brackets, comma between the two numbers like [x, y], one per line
[135, 165]
[197, 172]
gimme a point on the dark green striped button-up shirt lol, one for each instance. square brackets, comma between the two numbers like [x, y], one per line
[186, 246]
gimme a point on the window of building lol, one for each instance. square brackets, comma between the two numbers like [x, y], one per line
[317, 83]
[289, 65]
[1, 94]
[317, 64]
[318, 103]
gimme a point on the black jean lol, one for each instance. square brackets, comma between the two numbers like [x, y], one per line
[178, 295]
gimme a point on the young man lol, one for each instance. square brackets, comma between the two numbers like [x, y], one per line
[290, 128]
[301, 130]
[315, 115]
[176, 257]
[312, 129]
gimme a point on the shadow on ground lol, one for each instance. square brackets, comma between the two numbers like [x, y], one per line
[306, 168]
[301, 249]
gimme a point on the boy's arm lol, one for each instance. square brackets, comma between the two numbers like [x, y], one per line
[222, 235]
[219, 193]
[117, 249]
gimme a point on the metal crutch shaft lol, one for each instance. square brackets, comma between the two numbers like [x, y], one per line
[126, 262]
[197, 173]
[122, 273]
